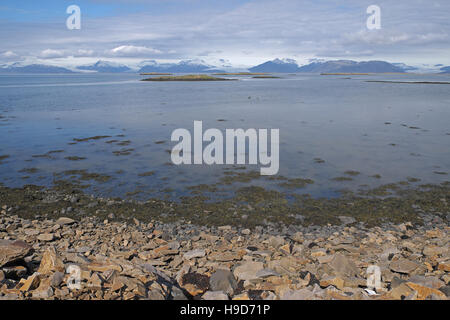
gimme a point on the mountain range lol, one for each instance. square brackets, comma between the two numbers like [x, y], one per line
[336, 66]
[186, 66]
[200, 66]
[32, 68]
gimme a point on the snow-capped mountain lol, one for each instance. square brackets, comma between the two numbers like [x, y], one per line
[32, 68]
[105, 67]
[185, 66]
[277, 65]
[348, 66]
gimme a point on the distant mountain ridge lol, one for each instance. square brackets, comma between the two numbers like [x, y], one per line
[186, 66]
[349, 66]
[200, 66]
[33, 68]
[445, 69]
[334, 66]
[105, 67]
[277, 65]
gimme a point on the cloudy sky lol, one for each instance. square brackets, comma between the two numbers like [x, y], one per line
[242, 32]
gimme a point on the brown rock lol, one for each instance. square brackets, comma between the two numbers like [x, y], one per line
[403, 266]
[445, 266]
[46, 237]
[11, 251]
[400, 292]
[423, 292]
[29, 284]
[65, 221]
[50, 262]
[103, 267]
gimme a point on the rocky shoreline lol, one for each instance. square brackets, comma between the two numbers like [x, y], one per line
[43, 257]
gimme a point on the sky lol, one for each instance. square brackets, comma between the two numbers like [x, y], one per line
[237, 33]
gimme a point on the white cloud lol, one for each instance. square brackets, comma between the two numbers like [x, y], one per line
[9, 54]
[130, 51]
[52, 54]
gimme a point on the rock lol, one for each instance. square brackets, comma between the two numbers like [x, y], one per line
[51, 262]
[29, 284]
[46, 237]
[431, 282]
[336, 281]
[445, 290]
[248, 270]
[265, 273]
[246, 232]
[346, 220]
[424, 292]
[444, 266]
[2, 276]
[15, 272]
[298, 237]
[12, 251]
[224, 281]
[196, 253]
[302, 294]
[286, 248]
[243, 297]
[433, 251]
[103, 267]
[65, 221]
[343, 266]
[214, 295]
[195, 283]
[56, 279]
[403, 266]
[276, 242]
[287, 265]
[400, 292]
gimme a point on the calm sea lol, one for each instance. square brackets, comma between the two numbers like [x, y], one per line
[328, 125]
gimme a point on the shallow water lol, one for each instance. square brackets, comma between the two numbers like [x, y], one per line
[392, 130]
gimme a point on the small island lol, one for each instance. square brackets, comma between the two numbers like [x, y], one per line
[189, 77]
[345, 74]
[265, 77]
[241, 74]
[155, 74]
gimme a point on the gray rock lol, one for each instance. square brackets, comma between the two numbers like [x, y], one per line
[223, 280]
[214, 295]
[343, 266]
[248, 270]
[57, 279]
[196, 253]
[65, 221]
[264, 273]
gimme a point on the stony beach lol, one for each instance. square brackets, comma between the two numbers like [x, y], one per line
[133, 259]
